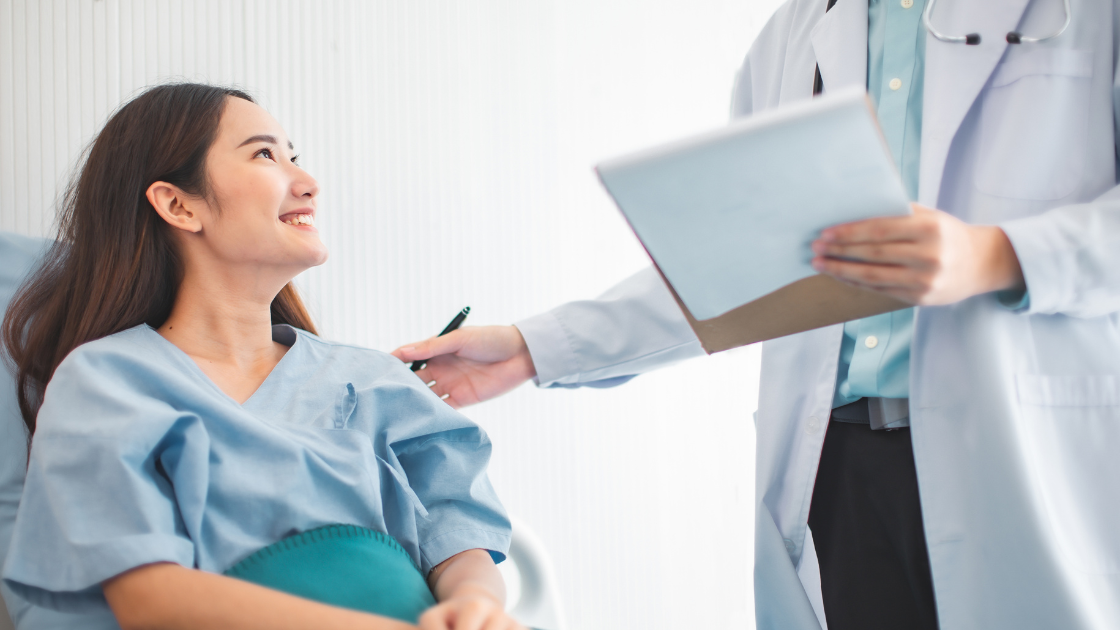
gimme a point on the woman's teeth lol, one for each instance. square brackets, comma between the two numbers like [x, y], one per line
[302, 219]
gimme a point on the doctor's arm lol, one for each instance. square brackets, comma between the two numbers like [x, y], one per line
[1067, 258]
[634, 327]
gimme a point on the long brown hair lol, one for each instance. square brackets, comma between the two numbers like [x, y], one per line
[115, 264]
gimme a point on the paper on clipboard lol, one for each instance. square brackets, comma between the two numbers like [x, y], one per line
[728, 216]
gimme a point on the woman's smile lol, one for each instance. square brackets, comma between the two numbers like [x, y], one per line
[300, 219]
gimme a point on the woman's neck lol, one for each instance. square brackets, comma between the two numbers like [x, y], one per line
[226, 329]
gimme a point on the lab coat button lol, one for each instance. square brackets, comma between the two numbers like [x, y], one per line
[789, 545]
[906, 4]
[895, 83]
[812, 425]
[871, 341]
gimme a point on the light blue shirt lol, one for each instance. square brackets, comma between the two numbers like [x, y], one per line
[875, 352]
[140, 458]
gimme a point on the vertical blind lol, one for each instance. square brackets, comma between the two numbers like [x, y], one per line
[454, 142]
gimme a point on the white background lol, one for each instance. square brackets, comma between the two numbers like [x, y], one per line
[454, 143]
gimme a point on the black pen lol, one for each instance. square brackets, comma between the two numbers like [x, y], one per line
[455, 324]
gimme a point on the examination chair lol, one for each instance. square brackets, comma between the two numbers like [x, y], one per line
[533, 597]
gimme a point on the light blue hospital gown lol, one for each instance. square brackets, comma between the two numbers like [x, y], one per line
[140, 458]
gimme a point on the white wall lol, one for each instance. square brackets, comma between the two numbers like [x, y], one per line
[453, 141]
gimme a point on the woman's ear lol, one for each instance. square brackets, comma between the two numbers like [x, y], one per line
[176, 207]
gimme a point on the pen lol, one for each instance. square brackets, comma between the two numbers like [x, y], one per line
[455, 323]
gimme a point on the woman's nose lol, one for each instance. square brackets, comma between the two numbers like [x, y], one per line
[305, 185]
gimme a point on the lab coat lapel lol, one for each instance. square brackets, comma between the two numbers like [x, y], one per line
[840, 45]
[955, 74]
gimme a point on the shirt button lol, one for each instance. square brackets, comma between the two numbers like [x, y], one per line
[812, 425]
[871, 341]
[906, 4]
[895, 84]
[789, 545]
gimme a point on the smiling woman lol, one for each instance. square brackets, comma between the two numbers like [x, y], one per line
[254, 188]
[197, 437]
[116, 256]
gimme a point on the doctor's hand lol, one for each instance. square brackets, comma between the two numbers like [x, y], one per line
[927, 258]
[472, 364]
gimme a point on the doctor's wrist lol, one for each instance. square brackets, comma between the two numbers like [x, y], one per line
[999, 268]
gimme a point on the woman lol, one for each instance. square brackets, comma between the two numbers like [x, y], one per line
[187, 421]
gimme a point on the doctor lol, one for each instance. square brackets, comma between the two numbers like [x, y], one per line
[999, 505]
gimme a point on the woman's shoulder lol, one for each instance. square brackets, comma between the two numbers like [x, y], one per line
[117, 379]
[139, 347]
[357, 359]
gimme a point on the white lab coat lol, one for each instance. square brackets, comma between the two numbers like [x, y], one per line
[1015, 415]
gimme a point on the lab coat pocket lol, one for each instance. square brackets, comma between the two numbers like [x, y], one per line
[1071, 430]
[1034, 124]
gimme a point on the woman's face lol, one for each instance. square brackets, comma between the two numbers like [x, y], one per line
[266, 205]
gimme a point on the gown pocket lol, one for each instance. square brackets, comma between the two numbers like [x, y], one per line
[1072, 440]
[1034, 124]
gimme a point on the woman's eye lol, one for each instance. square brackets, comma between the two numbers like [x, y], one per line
[295, 160]
[265, 152]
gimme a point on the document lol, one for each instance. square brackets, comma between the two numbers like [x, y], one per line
[728, 216]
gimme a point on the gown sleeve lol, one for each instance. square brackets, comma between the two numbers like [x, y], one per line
[443, 458]
[99, 495]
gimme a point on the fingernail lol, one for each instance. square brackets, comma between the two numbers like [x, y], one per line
[817, 264]
[431, 383]
[828, 235]
[445, 396]
[407, 349]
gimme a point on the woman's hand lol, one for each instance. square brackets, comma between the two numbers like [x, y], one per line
[471, 593]
[927, 258]
[470, 607]
[472, 364]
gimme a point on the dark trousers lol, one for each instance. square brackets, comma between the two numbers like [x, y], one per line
[867, 527]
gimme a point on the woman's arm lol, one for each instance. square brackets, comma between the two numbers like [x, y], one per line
[471, 593]
[169, 596]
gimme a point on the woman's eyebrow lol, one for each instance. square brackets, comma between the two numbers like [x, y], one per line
[264, 138]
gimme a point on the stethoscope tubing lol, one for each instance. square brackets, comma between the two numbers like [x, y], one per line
[972, 39]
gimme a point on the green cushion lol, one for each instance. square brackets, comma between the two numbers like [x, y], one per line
[342, 565]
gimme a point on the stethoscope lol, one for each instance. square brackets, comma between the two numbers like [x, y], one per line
[972, 39]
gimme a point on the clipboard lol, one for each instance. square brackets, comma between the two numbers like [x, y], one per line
[814, 302]
[810, 300]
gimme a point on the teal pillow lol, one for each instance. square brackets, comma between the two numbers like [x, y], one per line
[342, 565]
